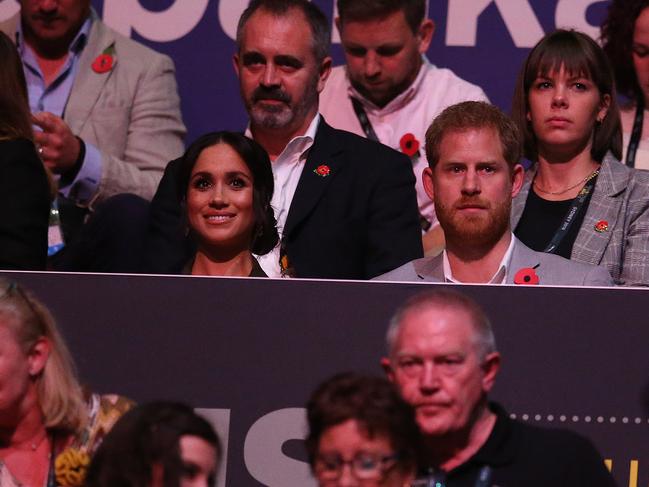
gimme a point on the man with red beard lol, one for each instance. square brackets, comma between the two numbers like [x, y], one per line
[473, 152]
[442, 357]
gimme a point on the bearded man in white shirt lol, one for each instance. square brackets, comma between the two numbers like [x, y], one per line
[346, 207]
[388, 91]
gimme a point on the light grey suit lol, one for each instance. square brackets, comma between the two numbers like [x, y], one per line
[130, 113]
[551, 269]
[621, 199]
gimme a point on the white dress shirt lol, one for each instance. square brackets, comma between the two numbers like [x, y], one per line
[287, 169]
[499, 277]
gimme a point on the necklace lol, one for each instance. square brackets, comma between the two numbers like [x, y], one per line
[582, 181]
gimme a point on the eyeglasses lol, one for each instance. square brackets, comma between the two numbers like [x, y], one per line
[364, 466]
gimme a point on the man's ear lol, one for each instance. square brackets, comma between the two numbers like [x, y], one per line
[387, 368]
[425, 35]
[37, 356]
[323, 72]
[427, 179]
[518, 176]
[490, 368]
[235, 63]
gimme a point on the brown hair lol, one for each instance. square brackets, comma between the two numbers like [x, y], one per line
[371, 401]
[581, 55]
[320, 28]
[59, 393]
[360, 10]
[15, 117]
[617, 39]
[474, 115]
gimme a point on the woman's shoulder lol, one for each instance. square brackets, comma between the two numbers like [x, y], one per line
[103, 412]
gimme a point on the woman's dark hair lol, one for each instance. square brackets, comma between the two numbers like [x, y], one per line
[374, 404]
[15, 118]
[146, 435]
[617, 39]
[265, 235]
[579, 55]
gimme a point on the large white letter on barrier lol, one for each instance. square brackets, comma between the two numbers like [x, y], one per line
[262, 450]
[173, 23]
[571, 14]
[8, 8]
[462, 21]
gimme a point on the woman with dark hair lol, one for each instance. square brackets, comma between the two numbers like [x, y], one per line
[578, 200]
[159, 444]
[24, 185]
[361, 432]
[226, 184]
[625, 38]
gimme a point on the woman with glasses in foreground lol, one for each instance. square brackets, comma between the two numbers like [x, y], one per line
[361, 433]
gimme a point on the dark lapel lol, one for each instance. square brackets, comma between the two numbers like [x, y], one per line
[324, 152]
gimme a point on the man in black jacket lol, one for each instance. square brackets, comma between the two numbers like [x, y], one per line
[346, 207]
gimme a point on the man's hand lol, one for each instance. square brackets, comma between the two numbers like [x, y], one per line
[56, 144]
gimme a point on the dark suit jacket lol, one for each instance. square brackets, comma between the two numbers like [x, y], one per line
[356, 223]
[25, 206]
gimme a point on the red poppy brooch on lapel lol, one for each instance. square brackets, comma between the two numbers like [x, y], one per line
[601, 226]
[105, 61]
[527, 276]
[322, 170]
[409, 145]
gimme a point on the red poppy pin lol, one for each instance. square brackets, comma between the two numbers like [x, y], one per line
[527, 276]
[601, 226]
[105, 61]
[409, 145]
[322, 170]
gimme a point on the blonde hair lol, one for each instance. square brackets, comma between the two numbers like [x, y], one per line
[59, 394]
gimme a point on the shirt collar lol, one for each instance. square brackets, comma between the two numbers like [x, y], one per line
[401, 100]
[76, 46]
[299, 144]
[500, 277]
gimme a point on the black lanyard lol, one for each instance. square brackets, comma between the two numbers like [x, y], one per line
[636, 133]
[572, 212]
[366, 125]
[439, 480]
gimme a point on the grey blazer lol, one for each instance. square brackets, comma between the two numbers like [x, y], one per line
[551, 269]
[130, 113]
[620, 199]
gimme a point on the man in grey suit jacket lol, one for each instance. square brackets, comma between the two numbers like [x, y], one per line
[108, 106]
[473, 151]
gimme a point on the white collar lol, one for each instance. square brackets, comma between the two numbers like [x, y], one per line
[299, 143]
[401, 100]
[500, 277]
